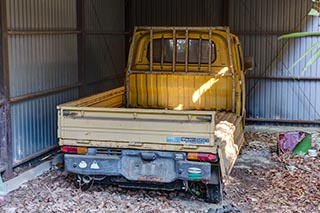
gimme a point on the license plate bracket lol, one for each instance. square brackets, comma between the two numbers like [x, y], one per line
[161, 169]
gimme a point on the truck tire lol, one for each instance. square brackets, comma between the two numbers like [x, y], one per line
[214, 193]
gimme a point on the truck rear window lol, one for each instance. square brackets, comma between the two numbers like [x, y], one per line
[198, 50]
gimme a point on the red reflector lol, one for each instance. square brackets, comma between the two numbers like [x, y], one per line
[69, 149]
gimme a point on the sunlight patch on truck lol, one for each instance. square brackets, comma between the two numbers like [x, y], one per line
[179, 107]
[187, 140]
[206, 86]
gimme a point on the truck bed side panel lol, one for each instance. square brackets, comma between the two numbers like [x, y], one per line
[140, 128]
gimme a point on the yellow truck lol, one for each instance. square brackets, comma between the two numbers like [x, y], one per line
[176, 124]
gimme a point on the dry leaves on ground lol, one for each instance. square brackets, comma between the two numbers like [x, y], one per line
[290, 185]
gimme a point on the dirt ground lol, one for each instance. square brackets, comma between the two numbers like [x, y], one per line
[261, 181]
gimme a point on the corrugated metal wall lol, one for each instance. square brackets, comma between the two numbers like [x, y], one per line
[43, 53]
[175, 13]
[49, 61]
[54, 48]
[273, 90]
[105, 44]
[38, 63]
[2, 110]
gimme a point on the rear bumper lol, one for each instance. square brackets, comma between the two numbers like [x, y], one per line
[149, 166]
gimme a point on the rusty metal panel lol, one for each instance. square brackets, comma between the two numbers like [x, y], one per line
[105, 47]
[176, 12]
[34, 124]
[274, 90]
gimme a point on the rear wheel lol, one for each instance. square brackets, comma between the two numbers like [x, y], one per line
[215, 186]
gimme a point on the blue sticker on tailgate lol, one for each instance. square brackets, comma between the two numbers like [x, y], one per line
[187, 140]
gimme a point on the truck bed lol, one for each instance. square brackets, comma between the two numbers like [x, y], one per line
[102, 120]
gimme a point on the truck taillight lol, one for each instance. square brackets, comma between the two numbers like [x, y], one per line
[74, 149]
[202, 157]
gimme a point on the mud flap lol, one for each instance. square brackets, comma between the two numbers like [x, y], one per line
[215, 187]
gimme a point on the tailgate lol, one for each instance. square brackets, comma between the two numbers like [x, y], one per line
[136, 128]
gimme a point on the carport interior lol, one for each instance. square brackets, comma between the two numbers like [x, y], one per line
[55, 51]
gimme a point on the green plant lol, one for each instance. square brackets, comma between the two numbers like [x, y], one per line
[315, 11]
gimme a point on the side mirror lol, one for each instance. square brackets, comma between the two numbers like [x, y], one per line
[248, 63]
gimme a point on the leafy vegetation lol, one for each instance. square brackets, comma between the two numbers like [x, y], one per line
[315, 11]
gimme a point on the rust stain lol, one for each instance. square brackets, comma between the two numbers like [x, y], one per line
[150, 178]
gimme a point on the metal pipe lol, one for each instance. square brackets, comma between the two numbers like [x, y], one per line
[151, 50]
[43, 93]
[210, 50]
[179, 73]
[187, 51]
[35, 155]
[53, 32]
[130, 67]
[174, 49]
[162, 50]
[294, 78]
[232, 69]
[179, 28]
[199, 52]
[283, 121]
